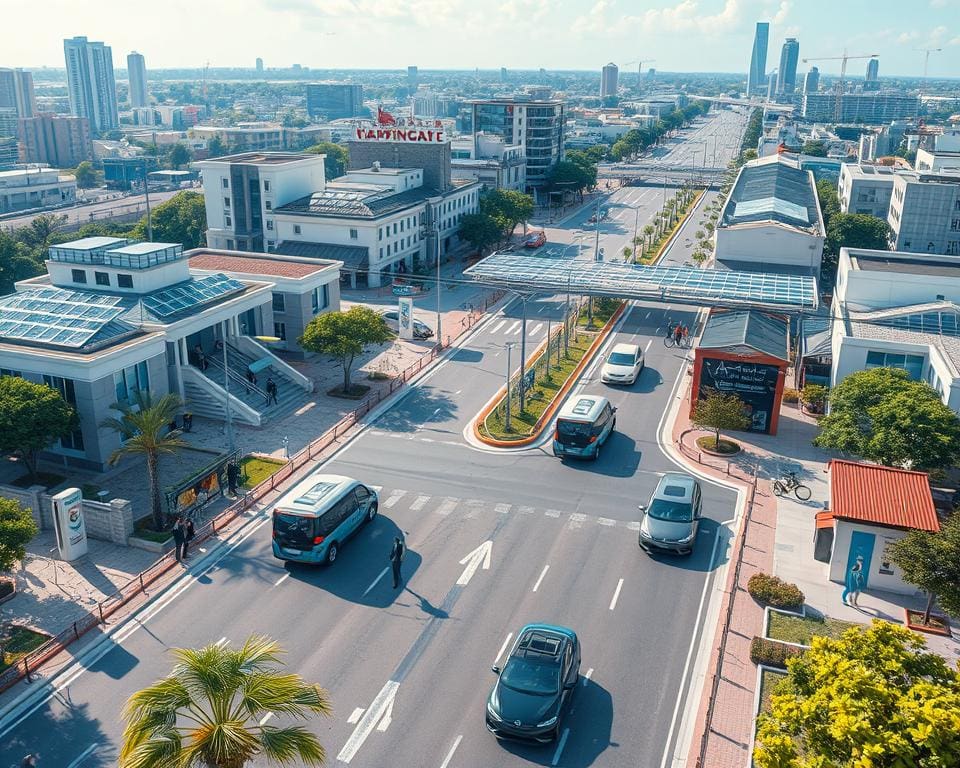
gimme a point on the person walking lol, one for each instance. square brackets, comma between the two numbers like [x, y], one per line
[397, 552]
[684, 334]
[271, 391]
[30, 761]
[678, 334]
[251, 379]
[233, 477]
[854, 583]
[201, 357]
[189, 533]
[179, 539]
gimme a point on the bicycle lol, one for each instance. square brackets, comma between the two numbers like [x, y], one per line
[670, 341]
[789, 482]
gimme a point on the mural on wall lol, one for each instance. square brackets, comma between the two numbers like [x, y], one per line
[754, 383]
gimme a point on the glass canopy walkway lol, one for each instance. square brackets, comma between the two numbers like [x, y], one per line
[682, 285]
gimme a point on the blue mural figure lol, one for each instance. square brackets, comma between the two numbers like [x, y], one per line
[854, 583]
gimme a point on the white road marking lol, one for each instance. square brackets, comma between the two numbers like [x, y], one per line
[418, 503]
[647, 348]
[282, 579]
[616, 595]
[393, 498]
[503, 647]
[449, 757]
[552, 512]
[355, 716]
[633, 525]
[542, 574]
[447, 506]
[498, 326]
[560, 746]
[387, 717]
[479, 558]
[369, 721]
[376, 581]
[586, 677]
[577, 519]
[514, 329]
[526, 510]
[263, 720]
[605, 521]
[647, 316]
[536, 329]
[502, 508]
[83, 756]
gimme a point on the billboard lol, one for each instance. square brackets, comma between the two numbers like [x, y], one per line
[68, 522]
[754, 383]
[405, 129]
[405, 318]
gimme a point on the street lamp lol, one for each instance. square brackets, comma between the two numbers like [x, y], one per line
[523, 351]
[506, 422]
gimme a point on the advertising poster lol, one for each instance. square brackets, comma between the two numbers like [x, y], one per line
[68, 519]
[754, 383]
[406, 318]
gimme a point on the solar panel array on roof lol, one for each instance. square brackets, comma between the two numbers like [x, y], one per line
[58, 317]
[939, 323]
[191, 294]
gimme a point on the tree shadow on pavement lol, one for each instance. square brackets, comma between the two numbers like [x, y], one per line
[425, 406]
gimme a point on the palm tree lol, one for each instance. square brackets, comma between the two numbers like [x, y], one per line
[209, 712]
[143, 427]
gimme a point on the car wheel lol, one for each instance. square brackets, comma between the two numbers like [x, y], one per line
[332, 552]
[371, 513]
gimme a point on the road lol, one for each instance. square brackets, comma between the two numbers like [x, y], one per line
[99, 211]
[407, 670]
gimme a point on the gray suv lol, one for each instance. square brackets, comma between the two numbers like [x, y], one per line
[671, 518]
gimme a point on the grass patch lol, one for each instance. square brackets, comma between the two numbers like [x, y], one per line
[257, 469]
[710, 443]
[356, 392]
[769, 679]
[603, 310]
[144, 529]
[539, 397]
[651, 253]
[802, 629]
[46, 479]
[17, 642]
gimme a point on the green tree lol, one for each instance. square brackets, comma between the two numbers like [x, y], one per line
[181, 219]
[572, 177]
[217, 147]
[884, 416]
[480, 230]
[874, 697]
[814, 148]
[718, 411]
[17, 262]
[507, 207]
[86, 175]
[179, 156]
[143, 427]
[829, 201]
[749, 154]
[41, 232]
[344, 335]
[931, 561]
[17, 528]
[337, 158]
[850, 230]
[32, 417]
[212, 707]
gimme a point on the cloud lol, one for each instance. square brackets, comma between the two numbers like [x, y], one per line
[938, 3]
[782, 12]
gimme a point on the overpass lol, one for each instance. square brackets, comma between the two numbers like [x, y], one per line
[660, 171]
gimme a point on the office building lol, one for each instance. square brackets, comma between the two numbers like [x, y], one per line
[757, 76]
[787, 73]
[259, 64]
[16, 92]
[425, 104]
[811, 80]
[333, 101]
[91, 84]
[34, 188]
[413, 76]
[503, 74]
[496, 165]
[608, 80]
[137, 72]
[9, 153]
[56, 140]
[535, 126]
[939, 161]
[871, 80]
[924, 214]
[877, 107]
[866, 189]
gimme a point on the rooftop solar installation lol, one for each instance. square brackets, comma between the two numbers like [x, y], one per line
[771, 205]
[708, 287]
[58, 317]
[191, 294]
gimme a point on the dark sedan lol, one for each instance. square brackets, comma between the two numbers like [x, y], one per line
[534, 689]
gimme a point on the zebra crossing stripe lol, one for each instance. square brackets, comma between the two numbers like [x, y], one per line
[447, 506]
[526, 510]
[394, 497]
[503, 509]
[605, 521]
[633, 525]
[552, 512]
[577, 519]
[419, 503]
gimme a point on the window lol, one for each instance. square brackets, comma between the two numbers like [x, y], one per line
[129, 380]
[266, 188]
[279, 303]
[79, 275]
[226, 202]
[353, 234]
[296, 229]
[402, 222]
[8, 372]
[226, 183]
[280, 330]
[63, 386]
[228, 221]
[955, 224]
[380, 233]
[229, 244]
[388, 249]
[912, 364]
[268, 205]
[381, 253]
[320, 298]
[394, 227]
[102, 278]
[270, 224]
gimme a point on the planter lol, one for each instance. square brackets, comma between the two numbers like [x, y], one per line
[939, 624]
[8, 589]
[723, 448]
[151, 546]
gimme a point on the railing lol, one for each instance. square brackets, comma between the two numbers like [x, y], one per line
[28, 664]
[235, 378]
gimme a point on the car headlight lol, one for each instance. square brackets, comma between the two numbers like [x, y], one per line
[547, 723]
[687, 539]
[493, 713]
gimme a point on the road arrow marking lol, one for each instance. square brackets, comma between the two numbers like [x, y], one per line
[355, 716]
[380, 706]
[479, 557]
[387, 718]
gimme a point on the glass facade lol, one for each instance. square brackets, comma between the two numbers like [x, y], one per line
[912, 364]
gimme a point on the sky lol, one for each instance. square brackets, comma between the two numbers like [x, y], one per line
[670, 35]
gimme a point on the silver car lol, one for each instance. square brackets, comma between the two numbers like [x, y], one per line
[420, 330]
[672, 517]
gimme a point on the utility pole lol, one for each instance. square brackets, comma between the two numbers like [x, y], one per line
[596, 247]
[523, 353]
[506, 421]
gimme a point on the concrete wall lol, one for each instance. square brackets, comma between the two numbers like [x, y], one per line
[112, 521]
[769, 244]
[891, 580]
[434, 159]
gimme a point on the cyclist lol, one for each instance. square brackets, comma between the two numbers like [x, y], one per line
[684, 333]
[678, 334]
[30, 761]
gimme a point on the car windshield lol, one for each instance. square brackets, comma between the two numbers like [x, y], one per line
[541, 678]
[621, 358]
[672, 511]
[573, 428]
[294, 529]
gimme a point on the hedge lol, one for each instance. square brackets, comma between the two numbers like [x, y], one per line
[771, 652]
[775, 591]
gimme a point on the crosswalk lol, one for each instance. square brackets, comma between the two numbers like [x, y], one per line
[514, 327]
[399, 499]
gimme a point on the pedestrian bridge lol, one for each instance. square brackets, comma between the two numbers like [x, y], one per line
[662, 172]
[524, 273]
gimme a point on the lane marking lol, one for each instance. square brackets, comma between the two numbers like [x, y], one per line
[387, 717]
[577, 520]
[616, 595]
[474, 561]
[513, 329]
[503, 648]
[282, 579]
[502, 508]
[418, 503]
[542, 574]
[560, 746]
[376, 580]
[633, 525]
[449, 757]
[586, 677]
[447, 506]
[355, 716]
[84, 755]
[605, 521]
[263, 720]
[552, 512]
[394, 497]
[647, 348]
[536, 329]
[498, 326]
[526, 510]
[369, 721]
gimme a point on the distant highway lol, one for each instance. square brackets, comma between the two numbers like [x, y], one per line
[99, 211]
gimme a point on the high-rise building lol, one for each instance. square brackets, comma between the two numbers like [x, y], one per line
[413, 75]
[91, 83]
[259, 64]
[608, 80]
[333, 101]
[811, 81]
[870, 108]
[59, 141]
[787, 74]
[137, 72]
[872, 80]
[503, 74]
[16, 92]
[757, 77]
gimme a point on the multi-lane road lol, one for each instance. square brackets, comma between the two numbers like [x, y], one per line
[408, 670]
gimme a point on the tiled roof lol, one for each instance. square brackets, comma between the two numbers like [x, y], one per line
[756, 330]
[254, 266]
[870, 493]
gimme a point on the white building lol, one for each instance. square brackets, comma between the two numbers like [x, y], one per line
[91, 83]
[771, 220]
[37, 187]
[924, 213]
[938, 160]
[866, 189]
[488, 159]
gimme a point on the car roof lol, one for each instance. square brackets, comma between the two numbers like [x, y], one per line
[627, 348]
[582, 408]
[542, 641]
[313, 492]
[675, 486]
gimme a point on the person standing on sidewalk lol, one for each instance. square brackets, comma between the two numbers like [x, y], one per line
[854, 583]
[179, 538]
[397, 552]
[188, 534]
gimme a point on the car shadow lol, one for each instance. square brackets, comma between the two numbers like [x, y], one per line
[700, 558]
[590, 723]
[464, 355]
[362, 572]
[619, 457]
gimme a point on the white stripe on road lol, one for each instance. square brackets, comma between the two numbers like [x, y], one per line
[633, 525]
[586, 677]
[502, 508]
[449, 757]
[647, 348]
[577, 519]
[263, 720]
[542, 574]
[447, 506]
[418, 503]
[514, 329]
[369, 721]
[536, 329]
[526, 510]
[552, 512]
[83, 756]
[282, 579]
[498, 326]
[560, 746]
[605, 521]
[376, 580]
[503, 648]
[355, 716]
[616, 595]
[394, 498]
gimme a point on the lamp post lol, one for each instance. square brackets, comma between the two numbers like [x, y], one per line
[226, 390]
[523, 352]
[146, 197]
[596, 248]
[506, 421]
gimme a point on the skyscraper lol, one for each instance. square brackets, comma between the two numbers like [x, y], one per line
[412, 79]
[91, 83]
[608, 80]
[871, 81]
[757, 77]
[137, 71]
[811, 81]
[787, 75]
[333, 101]
[16, 92]
[259, 64]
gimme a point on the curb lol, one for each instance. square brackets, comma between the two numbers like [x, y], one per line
[547, 416]
[676, 230]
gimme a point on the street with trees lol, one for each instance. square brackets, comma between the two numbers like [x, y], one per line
[751, 134]
[480, 230]
[507, 208]
[574, 177]
[32, 417]
[344, 336]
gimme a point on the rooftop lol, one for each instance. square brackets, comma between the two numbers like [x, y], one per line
[261, 265]
[351, 256]
[870, 171]
[870, 493]
[262, 158]
[354, 201]
[904, 264]
[773, 190]
[764, 333]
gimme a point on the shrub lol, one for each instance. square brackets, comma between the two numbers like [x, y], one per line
[771, 652]
[814, 395]
[775, 591]
[790, 395]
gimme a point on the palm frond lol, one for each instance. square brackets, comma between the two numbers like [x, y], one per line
[284, 745]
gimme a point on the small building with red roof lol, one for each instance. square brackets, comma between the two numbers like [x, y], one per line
[871, 507]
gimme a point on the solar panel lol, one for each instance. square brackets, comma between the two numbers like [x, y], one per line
[59, 317]
[938, 323]
[771, 205]
[193, 293]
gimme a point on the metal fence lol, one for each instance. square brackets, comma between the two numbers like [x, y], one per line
[139, 584]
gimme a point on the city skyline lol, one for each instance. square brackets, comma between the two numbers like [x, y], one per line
[324, 35]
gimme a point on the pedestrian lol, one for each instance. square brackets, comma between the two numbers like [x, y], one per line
[179, 538]
[684, 333]
[271, 391]
[251, 379]
[201, 357]
[233, 476]
[187, 421]
[397, 552]
[678, 334]
[854, 583]
[30, 761]
[189, 533]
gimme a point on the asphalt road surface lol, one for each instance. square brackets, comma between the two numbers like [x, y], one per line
[93, 212]
[408, 670]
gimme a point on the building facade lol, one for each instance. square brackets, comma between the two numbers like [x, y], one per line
[872, 77]
[938, 160]
[137, 72]
[17, 93]
[608, 80]
[56, 140]
[35, 188]
[866, 189]
[91, 83]
[811, 80]
[875, 108]
[757, 75]
[787, 73]
[333, 101]
[499, 166]
[924, 215]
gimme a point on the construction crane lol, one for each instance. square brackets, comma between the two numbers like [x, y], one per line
[926, 58]
[838, 111]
